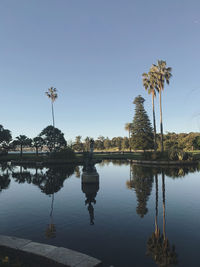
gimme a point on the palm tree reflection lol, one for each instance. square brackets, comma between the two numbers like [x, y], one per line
[50, 181]
[158, 246]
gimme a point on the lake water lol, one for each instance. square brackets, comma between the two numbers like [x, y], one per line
[135, 216]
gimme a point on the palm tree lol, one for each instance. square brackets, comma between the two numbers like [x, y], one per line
[51, 93]
[149, 83]
[162, 74]
[22, 141]
[128, 127]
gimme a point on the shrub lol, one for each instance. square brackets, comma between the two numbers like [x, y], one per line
[182, 155]
[173, 154]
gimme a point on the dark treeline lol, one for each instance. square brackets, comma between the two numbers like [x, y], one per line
[52, 138]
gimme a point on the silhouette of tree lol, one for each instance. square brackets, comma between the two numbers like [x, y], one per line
[5, 138]
[53, 138]
[22, 141]
[38, 143]
[161, 74]
[52, 94]
[149, 83]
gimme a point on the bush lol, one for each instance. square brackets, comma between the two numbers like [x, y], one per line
[173, 154]
[182, 155]
[66, 153]
[176, 154]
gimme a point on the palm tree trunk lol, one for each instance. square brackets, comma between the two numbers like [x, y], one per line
[163, 191]
[52, 114]
[20, 150]
[161, 123]
[53, 126]
[52, 201]
[156, 220]
[129, 137]
[154, 122]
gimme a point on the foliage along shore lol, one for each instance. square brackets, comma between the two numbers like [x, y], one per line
[79, 159]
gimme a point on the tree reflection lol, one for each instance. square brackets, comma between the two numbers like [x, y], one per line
[141, 181]
[50, 181]
[158, 246]
[22, 176]
[4, 181]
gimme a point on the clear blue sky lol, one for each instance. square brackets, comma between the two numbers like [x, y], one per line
[94, 52]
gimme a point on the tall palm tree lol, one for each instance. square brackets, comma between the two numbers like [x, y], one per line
[128, 127]
[52, 94]
[162, 74]
[149, 83]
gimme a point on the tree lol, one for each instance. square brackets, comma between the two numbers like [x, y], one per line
[5, 138]
[107, 143]
[119, 143]
[161, 74]
[149, 83]
[78, 145]
[53, 138]
[125, 143]
[196, 142]
[22, 141]
[128, 127]
[51, 93]
[37, 142]
[141, 132]
[87, 144]
[99, 143]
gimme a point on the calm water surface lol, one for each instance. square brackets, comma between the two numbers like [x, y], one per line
[135, 216]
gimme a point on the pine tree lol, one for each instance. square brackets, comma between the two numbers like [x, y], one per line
[141, 132]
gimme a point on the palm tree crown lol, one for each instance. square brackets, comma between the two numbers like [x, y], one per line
[161, 74]
[150, 84]
[51, 93]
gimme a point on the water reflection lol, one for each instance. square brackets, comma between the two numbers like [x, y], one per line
[90, 186]
[158, 246]
[141, 180]
[49, 180]
[156, 240]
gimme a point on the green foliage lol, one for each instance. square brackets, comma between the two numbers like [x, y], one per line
[125, 143]
[5, 138]
[176, 154]
[141, 132]
[196, 142]
[53, 138]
